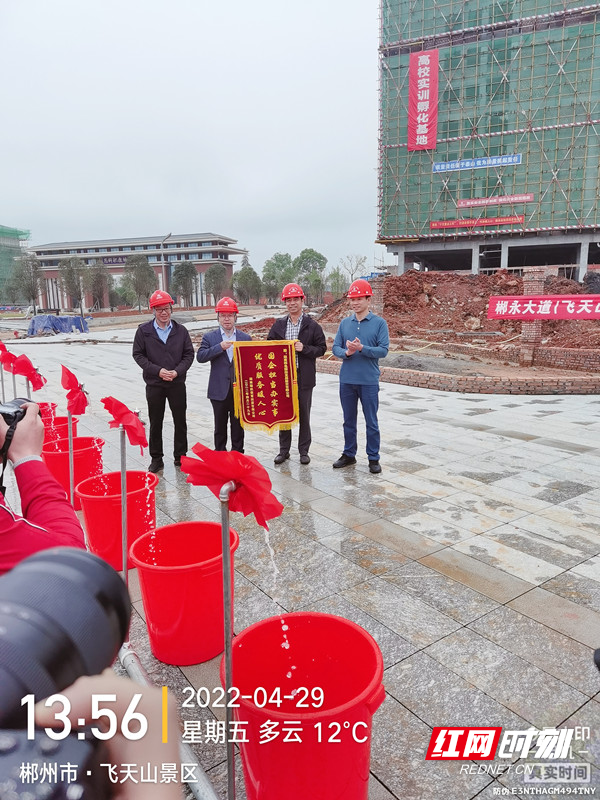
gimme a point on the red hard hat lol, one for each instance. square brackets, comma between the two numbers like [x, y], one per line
[291, 290]
[360, 288]
[160, 298]
[227, 305]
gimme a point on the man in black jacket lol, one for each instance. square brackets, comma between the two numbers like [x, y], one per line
[164, 351]
[309, 345]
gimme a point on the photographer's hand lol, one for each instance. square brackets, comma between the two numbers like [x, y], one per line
[148, 750]
[28, 438]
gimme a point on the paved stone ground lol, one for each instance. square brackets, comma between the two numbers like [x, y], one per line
[473, 559]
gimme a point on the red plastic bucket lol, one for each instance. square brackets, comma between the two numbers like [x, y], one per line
[87, 461]
[58, 428]
[47, 411]
[101, 504]
[180, 570]
[320, 675]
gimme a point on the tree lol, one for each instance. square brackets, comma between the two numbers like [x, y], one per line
[140, 277]
[215, 281]
[27, 277]
[314, 285]
[245, 261]
[183, 281]
[307, 262]
[97, 280]
[70, 275]
[277, 271]
[338, 283]
[247, 284]
[353, 265]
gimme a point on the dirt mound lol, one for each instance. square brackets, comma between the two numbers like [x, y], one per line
[440, 306]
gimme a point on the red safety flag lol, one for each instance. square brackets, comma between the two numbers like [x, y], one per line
[23, 366]
[77, 399]
[131, 422]
[214, 468]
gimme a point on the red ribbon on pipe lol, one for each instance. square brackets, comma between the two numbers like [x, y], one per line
[122, 415]
[23, 366]
[214, 468]
[77, 399]
[7, 359]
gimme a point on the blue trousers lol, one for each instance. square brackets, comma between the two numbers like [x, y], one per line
[368, 394]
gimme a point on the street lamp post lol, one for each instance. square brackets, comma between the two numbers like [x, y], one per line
[162, 258]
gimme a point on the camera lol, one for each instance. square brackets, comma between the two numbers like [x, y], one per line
[13, 411]
[64, 613]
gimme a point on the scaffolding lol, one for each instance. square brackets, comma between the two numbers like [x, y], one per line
[516, 78]
[10, 249]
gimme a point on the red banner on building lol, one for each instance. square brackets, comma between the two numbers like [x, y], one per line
[561, 306]
[422, 100]
[265, 393]
[505, 199]
[476, 223]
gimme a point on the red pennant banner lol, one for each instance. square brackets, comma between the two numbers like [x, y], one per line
[77, 399]
[130, 421]
[265, 393]
[214, 468]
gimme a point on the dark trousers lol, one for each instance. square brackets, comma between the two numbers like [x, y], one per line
[157, 396]
[368, 394]
[304, 435]
[223, 412]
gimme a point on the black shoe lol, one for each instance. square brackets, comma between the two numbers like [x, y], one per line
[305, 458]
[177, 461]
[279, 459]
[156, 465]
[374, 467]
[344, 461]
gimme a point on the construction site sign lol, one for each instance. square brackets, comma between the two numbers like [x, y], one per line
[476, 222]
[530, 307]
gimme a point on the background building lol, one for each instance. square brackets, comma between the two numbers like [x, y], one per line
[10, 249]
[163, 254]
[512, 175]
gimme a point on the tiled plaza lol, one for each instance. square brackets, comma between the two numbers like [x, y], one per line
[473, 559]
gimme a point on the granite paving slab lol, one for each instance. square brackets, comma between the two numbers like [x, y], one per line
[584, 504]
[538, 546]
[346, 514]
[441, 698]
[452, 598]
[522, 687]
[528, 568]
[589, 568]
[578, 588]
[433, 528]
[456, 515]
[398, 538]
[561, 614]
[369, 555]
[560, 656]
[404, 739]
[521, 502]
[584, 541]
[408, 616]
[573, 519]
[586, 748]
[486, 505]
[483, 578]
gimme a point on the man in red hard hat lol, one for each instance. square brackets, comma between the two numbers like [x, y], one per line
[362, 339]
[164, 351]
[309, 344]
[217, 347]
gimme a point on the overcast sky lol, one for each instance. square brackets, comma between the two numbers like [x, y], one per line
[256, 119]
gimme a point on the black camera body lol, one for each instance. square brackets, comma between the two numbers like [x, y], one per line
[13, 410]
[64, 613]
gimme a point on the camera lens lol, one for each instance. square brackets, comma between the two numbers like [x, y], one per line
[63, 613]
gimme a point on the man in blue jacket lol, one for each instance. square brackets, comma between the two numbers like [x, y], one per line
[164, 351]
[217, 347]
[362, 339]
[309, 344]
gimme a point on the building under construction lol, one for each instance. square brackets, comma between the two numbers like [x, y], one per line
[489, 134]
[10, 250]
